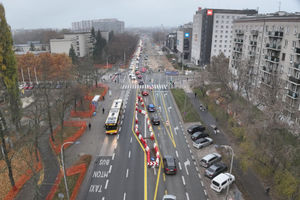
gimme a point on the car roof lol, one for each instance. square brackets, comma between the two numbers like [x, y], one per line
[195, 125]
[209, 156]
[169, 196]
[170, 160]
[200, 140]
[222, 177]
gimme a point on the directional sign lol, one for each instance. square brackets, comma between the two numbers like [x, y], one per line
[99, 180]
[186, 163]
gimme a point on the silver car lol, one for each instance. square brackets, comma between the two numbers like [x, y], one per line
[202, 142]
[169, 197]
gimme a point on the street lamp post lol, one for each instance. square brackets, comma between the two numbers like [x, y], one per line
[231, 163]
[63, 165]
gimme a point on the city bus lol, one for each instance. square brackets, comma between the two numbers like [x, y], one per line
[114, 116]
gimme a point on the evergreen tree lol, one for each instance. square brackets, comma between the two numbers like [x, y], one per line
[72, 55]
[31, 47]
[111, 35]
[99, 46]
[93, 32]
[8, 69]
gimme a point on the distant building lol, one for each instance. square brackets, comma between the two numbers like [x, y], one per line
[25, 48]
[171, 41]
[82, 44]
[184, 42]
[212, 33]
[106, 25]
[271, 46]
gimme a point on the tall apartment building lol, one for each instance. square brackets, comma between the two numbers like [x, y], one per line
[99, 24]
[82, 44]
[184, 42]
[212, 33]
[270, 44]
[171, 41]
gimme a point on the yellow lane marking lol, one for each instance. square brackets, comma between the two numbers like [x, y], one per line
[157, 181]
[166, 191]
[164, 177]
[145, 156]
[171, 136]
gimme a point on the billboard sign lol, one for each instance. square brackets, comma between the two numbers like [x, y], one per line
[209, 12]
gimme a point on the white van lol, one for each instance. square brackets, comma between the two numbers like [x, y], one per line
[221, 181]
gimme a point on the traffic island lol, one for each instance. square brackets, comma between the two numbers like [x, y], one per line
[75, 176]
[23, 170]
[72, 131]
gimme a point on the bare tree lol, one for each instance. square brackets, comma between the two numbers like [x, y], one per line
[218, 68]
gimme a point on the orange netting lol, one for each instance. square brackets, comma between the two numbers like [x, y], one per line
[103, 66]
[73, 138]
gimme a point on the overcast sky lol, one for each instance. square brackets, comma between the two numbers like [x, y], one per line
[136, 13]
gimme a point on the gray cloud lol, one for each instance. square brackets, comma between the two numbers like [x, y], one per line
[60, 14]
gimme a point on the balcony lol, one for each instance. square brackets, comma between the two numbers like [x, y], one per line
[297, 51]
[298, 36]
[277, 34]
[296, 65]
[273, 47]
[239, 32]
[272, 59]
[294, 80]
[253, 43]
[293, 94]
[238, 40]
[254, 32]
[251, 53]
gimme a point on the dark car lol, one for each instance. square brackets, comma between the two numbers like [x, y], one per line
[155, 120]
[195, 128]
[169, 165]
[215, 170]
[141, 83]
[151, 108]
[198, 135]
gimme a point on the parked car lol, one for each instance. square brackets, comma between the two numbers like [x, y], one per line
[198, 135]
[133, 77]
[155, 120]
[141, 83]
[222, 181]
[169, 165]
[169, 197]
[151, 108]
[215, 170]
[202, 142]
[145, 93]
[137, 72]
[210, 159]
[195, 128]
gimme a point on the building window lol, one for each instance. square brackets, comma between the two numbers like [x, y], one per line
[226, 26]
[225, 41]
[283, 57]
[221, 36]
[220, 46]
[226, 32]
[222, 16]
[216, 36]
[216, 41]
[224, 50]
[286, 42]
[216, 30]
[291, 57]
[220, 41]
[215, 45]
[294, 43]
[226, 35]
[221, 26]
[221, 31]
[225, 46]
[217, 21]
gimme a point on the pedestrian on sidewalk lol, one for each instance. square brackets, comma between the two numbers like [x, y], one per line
[90, 126]
[195, 94]
[103, 110]
[268, 190]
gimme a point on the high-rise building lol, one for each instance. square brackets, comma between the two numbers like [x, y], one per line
[212, 33]
[184, 42]
[99, 24]
[270, 46]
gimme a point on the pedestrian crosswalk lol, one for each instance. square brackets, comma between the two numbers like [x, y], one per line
[146, 86]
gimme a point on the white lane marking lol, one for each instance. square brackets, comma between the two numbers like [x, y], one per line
[186, 163]
[106, 184]
[176, 154]
[154, 170]
[118, 135]
[127, 173]
[183, 181]
[113, 156]
[124, 196]
[103, 198]
[187, 196]
[175, 130]
[109, 171]
[179, 165]
[205, 192]
[199, 176]
[193, 158]
[129, 153]
[202, 183]
[190, 151]
[131, 140]
[197, 169]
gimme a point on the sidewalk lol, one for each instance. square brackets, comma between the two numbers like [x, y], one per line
[248, 182]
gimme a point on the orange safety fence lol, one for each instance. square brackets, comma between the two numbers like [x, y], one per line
[73, 138]
[103, 66]
[78, 169]
[23, 179]
[84, 114]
